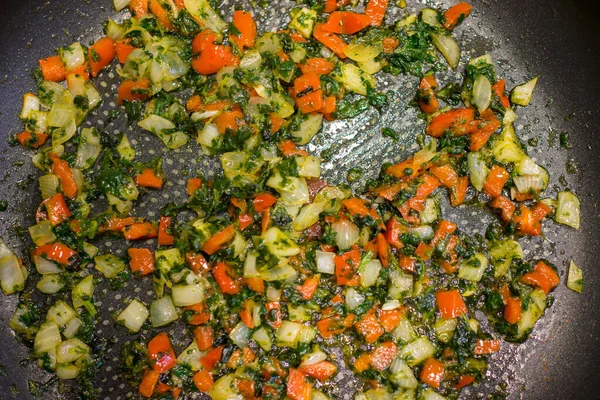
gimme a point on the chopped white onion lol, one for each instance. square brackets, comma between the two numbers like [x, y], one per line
[134, 316]
[12, 278]
[325, 262]
[72, 328]
[109, 265]
[187, 295]
[47, 338]
[50, 284]
[447, 45]
[354, 298]
[44, 266]
[369, 273]
[71, 350]
[312, 358]
[568, 210]
[346, 234]
[240, 335]
[162, 312]
[61, 313]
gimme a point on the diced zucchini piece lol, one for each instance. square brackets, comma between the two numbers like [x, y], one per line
[309, 126]
[503, 252]
[202, 12]
[575, 278]
[303, 20]
[482, 93]
[506, 147]
[568, 210]
[522, 94]
[362, 52]
[473, 268]
[417, 351]
[354, 78]
[447, 45]
[430, 17]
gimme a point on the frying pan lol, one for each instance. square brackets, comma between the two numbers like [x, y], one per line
[555, 39]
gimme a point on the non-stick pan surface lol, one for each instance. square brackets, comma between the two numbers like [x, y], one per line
[555, 39]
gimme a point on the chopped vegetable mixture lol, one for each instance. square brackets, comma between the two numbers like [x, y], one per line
[278, 268]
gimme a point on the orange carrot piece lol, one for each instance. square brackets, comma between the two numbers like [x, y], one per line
[148, 383]
[263, 201]
[463, 381]
[149, 179]
[486, 347]
[375, 9]
[424, 251]
[57, 209]
[142, 230]
[432, 372]
[383, 250]
[265, 220]
[317, 65]
[256, 284]
[288, 148]
[307, 83]
[346, 266]
[526, 223]
[164, 237]
[123, 49]
[450, 303]
[458, 193]
[193, 184]
[505, 206]
[427, 100]
[448, 120]
[57, 252]
[210, 359]
[199, 314]
[392, 234]
[498, 89]
[444, 229]
[495, 181]
[161, 354]
[204, 337]
[218, 240]
[161, 14]
[31, 140]
[329, 105]
[310, 102]
[513, 310]
[62, 169]
[309, 287]
[53, 69]
[370, 328]
[214, 57]
[445, 174]
[346, 22]
[133, 90]
[455, 14]
[141, 260]
[331, 41]
[390, 44]
[223, 275]
[203, 381]
[381, 358]
[229, 120]
[246, 27]
[298, 387]
[322, 370]
[332, 326]
[138, 8]
[101, 54]
[197, 262]
[244, 221]
[363, 362]
[390, 319]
